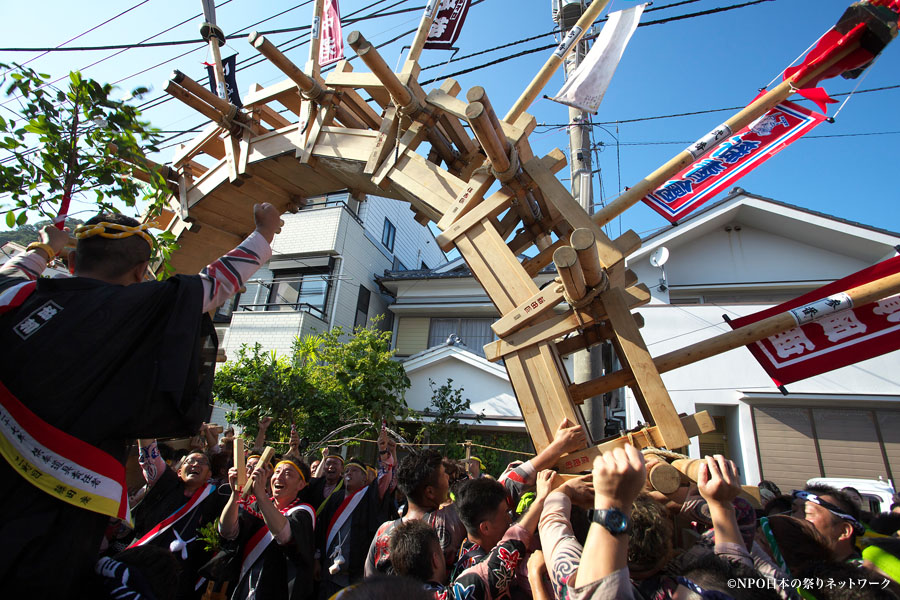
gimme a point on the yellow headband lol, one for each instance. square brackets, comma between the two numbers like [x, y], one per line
[293, 464]
[86, 231]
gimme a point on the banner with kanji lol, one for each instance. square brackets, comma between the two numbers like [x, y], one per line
[830, 332]
[331, 48]
[447, 24]
[732, 157]
[229, 68]
[587, 85]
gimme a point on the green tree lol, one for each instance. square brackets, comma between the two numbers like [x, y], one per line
[445, 427]
[29, 232]
[66, 144]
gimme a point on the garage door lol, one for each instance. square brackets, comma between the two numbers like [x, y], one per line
[787, 448]
[798, 443]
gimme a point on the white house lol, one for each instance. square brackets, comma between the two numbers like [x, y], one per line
[736, 257]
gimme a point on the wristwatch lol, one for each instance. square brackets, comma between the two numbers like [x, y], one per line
[613, 519]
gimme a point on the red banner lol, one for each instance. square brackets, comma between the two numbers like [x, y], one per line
[448, 22]
[331, 48]
[732, 157]
[831, 332]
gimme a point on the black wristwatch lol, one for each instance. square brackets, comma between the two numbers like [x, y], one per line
[613, 519]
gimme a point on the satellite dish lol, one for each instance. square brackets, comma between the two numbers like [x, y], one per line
[659, 257]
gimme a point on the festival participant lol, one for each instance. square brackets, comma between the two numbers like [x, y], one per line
[137, 363]
[500, 571]
[274, 535]
[416, 553]
[327, 480]
[349, 520]
[173, 511]
[475, 467]
[423, 479]
[834, 514]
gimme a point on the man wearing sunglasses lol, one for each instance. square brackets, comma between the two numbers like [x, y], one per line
[833, 514]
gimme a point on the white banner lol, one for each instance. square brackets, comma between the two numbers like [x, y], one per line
[587, 85]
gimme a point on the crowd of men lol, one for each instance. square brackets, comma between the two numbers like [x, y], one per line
[414, 524]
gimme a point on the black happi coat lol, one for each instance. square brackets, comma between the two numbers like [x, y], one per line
[113, 364]
[280, 572]
[165, 498]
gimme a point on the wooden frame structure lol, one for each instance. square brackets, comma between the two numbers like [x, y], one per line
[332, 139]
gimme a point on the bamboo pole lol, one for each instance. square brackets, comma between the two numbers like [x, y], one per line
[431, 11]
[546, 73]
[477, 94]
[569, 269]
[860, 296]
[753, 111]
[369, 55]
[481, 124]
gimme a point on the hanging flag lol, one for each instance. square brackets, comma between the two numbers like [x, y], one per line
[732, 157]
[585, 87]
[831, 332]
[228, 67]
[331, 49]
[448, 22]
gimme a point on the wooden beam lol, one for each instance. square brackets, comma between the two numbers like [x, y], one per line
[649, 390]
[491, 207]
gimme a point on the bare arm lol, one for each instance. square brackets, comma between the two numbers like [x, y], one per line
[529, 520]
[568, 438]
[537, 571]
[618, 478]
[228, 520]
[718, 483]
[260, 440]
[30, 264]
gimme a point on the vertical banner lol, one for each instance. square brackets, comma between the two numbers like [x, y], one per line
[732, 157]
[587, 85]
[331, 49]
[228, 67]
[830, 332]
[448, 23]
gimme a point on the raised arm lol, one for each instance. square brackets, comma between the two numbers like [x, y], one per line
[387, 459]
[31, 263]
[260, 441]
[568, 438]
[225, 276]
[718, 483]
[228, 520]
[152, 464]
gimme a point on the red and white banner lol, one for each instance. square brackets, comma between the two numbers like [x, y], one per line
[831, 332]
[331, 48]
[447, 24]
[732, 157]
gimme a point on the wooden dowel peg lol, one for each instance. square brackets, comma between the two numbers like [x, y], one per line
[487, 137]
[267, 455]
[403, 98]
[477, 94]
[585, 244]
[220, 104]
[284, 64]
[569, 269]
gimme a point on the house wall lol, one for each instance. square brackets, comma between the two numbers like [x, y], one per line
[413, 244]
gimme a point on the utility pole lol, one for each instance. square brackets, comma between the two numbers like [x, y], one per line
[587, 364]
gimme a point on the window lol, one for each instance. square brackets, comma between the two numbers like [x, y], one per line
[474, 333]
[305, 290]
[362, 307]
[398, 265]
[388, 235]
[424, 267]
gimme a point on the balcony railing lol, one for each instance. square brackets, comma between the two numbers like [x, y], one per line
[283, 306]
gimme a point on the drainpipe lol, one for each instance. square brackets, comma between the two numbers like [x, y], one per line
[337, 291]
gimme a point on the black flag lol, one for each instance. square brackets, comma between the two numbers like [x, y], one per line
[228, 66]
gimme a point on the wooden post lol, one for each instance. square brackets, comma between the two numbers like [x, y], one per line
[283, 63]
[860, 296]
[569, 269]
[481, 124]
[753, 111]
[585, 245]
[401, 94]
[468, 446]
[664, 477]
[220, 104]
[477, 94]
[208, 111]
[267, 455]
[546, 73]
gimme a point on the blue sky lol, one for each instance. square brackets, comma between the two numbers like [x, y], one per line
[693, 65]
